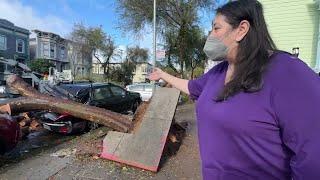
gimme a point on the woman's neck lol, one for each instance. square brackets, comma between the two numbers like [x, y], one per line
[230, 72]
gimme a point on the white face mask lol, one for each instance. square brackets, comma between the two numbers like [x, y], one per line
[215, 49]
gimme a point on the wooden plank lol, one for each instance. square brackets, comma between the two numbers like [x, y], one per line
[144, 148]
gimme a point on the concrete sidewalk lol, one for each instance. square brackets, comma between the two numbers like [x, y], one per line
[62, 163]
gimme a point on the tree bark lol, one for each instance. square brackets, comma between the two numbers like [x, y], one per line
[37, 101]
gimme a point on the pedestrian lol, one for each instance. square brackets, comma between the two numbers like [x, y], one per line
[258, 110]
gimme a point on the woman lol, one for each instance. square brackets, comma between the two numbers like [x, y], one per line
[258, 110]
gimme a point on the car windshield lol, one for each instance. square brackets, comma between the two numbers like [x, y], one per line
[74, 89]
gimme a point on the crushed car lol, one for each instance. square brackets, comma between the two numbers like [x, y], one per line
[9, 133]
[103, 95]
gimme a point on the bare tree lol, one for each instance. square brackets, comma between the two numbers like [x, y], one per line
[74, 55]
[175, 21]
[88, 41]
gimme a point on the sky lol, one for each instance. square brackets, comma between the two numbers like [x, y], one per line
[59, 16]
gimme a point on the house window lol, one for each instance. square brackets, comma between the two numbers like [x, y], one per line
[52, 50]
[46, 49]
[20, 46]
[62, 52]
[3, 42]
[144, 69]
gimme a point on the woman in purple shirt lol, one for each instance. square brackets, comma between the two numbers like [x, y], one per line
[258, 110]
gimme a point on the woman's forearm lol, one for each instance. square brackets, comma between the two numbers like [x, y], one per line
[181, 84]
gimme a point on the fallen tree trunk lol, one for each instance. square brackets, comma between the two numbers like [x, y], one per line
[78, 110]
[37, 101]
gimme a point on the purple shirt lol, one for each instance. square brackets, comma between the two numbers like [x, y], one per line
[270, 134]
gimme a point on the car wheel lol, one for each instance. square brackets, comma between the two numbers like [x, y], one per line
[92, 126]
[135, 106]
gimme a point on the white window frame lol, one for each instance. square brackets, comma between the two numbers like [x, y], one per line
[62, 52]
[52, 48]
[23, 45]
[5, 42]
[47, 49]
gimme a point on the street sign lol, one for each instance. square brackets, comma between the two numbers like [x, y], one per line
[161, 54]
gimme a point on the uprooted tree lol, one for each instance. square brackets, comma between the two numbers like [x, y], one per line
[33, 100]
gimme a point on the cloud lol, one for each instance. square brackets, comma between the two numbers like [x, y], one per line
[25, 16]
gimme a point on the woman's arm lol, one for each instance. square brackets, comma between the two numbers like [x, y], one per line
[296, 101]
[181, 84]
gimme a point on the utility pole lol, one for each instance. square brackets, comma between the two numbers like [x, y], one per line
[154, 34]
[154, 39]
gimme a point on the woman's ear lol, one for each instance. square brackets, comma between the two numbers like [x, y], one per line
[243, 29]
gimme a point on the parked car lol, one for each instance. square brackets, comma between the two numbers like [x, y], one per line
[107, 95]
[144, 89]
[9, 133]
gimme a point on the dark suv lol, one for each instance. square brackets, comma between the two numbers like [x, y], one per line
[103, 95]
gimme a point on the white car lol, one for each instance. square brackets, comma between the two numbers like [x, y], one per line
[145, 90]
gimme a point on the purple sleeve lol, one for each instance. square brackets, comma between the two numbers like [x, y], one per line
[296, 101]
[196, 86]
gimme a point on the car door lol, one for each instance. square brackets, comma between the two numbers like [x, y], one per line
[102, 97]
[122, 101]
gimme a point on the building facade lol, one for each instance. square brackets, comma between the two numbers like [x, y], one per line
[294, 26]
[14, 44]
[98, 60]
[141, 72]
[47, 45]
[97, 68]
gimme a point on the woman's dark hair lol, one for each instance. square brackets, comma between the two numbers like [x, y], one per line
[253, 52]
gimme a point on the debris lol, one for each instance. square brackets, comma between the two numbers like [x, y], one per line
[64, 153]
[95, 157]
[25, 122]
[35, 125]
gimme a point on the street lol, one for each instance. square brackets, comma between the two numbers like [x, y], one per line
[71, 157]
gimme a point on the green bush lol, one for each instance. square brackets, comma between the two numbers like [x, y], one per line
[40, 65]
[185, 98]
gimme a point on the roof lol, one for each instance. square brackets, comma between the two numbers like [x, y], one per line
[9, 25]
[39, 31]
